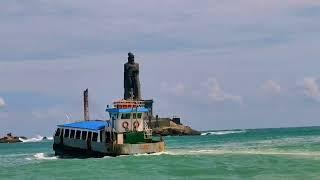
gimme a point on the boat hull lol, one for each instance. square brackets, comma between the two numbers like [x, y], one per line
[143, 148]
[118, 149]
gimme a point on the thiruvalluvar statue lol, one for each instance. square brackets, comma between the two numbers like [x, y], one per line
[131, 79]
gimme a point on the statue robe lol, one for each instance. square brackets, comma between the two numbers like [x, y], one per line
[131, 81]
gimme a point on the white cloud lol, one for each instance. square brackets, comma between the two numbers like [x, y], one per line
[311, 88]
[2, 102]
[271, 86]
[217, 94]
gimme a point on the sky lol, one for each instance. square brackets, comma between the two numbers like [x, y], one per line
[218, 64]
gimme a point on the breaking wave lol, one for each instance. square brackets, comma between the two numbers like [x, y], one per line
[50, 138]
[35, 139]
[223, 132]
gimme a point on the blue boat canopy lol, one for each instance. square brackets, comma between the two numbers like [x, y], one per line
[115, 110]
[94, 125]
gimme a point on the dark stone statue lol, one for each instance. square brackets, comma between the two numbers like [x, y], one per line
[131, 79]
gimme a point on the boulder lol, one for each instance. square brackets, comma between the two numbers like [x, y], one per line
[10, 139]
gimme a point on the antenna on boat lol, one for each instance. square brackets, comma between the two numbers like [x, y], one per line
[67, 117]
[86, 105]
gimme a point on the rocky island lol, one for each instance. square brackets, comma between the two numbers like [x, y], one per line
[175, 130]
[171, 127]
[9, 138]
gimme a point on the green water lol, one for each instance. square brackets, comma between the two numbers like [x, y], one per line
[286, 153]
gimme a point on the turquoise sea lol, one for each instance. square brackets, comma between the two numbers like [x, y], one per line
[284, 153]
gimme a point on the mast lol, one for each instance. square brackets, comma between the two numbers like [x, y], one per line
[86, 105]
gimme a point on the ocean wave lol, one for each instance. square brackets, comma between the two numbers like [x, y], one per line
[223, 132]
[243, 152]
[41, 156]
[35, 139]
[283, 142]
[38, 138]
[50, 138]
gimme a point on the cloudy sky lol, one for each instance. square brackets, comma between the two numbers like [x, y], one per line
[219, 64]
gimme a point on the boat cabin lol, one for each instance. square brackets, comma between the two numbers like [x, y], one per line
[129, 124]
[84, 130]
[84, 135]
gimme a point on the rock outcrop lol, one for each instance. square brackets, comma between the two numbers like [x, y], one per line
[11, 139]
[175, 130]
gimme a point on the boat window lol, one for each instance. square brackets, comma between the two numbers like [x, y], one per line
[72, 134]
[139, 115]
[66, 133]
[108, 136]
[134, 116]
[84, 135]
[95, 137]
[57, 132]
[78, 134]
[125, 116]
[100, 136]
[89, 135]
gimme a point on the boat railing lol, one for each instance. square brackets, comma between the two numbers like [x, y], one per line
[127, 104]
[148, 134]
[147, 131]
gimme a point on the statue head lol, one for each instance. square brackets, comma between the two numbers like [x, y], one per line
[130, 57]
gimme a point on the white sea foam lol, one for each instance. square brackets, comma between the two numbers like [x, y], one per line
[42, 156]
[223, 132]
[35, 139]
[50, 138]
